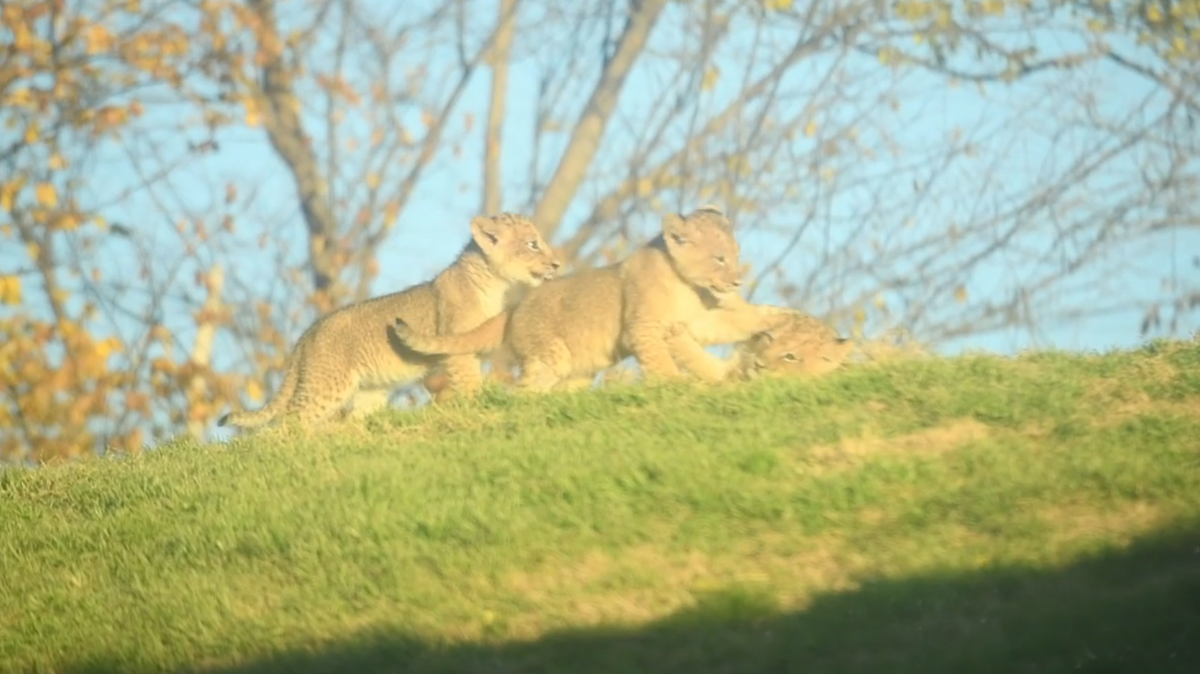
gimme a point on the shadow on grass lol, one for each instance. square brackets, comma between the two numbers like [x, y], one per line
[1135, 610]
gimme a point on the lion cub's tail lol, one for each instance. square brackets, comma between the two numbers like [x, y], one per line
[484, 338]
[247, 419]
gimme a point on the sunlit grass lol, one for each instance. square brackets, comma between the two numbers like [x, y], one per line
[634, 528]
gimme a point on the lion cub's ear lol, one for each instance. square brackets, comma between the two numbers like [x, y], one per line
[677, 230]
[762, 339]
[487, 231]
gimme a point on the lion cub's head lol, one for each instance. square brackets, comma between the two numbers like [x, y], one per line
[514, 248]
[801, 347]
[703, 249]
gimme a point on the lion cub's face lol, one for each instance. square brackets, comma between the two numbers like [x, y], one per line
[704, 250]
[802, 347]
[514, 248]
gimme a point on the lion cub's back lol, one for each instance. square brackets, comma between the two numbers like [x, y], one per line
[580, 312]
[360, 337]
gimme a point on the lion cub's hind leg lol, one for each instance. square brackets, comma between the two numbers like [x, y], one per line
[464, 376]
[546, 369]
[322, 389]
[364, 403]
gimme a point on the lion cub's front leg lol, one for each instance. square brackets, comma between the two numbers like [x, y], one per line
[692, 356]
[736, 321]
[647, 341]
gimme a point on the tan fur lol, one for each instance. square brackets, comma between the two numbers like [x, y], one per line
[801, 347]
[351, 356]
[568, 329]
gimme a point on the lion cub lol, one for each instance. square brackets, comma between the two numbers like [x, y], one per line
[349, 355]
[801, 347]
[568, 329]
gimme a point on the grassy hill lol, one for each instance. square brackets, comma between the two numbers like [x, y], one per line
[977, 514]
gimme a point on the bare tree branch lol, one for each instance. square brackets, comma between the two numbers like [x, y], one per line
[505, 28]
[280, 108]
[589, 130]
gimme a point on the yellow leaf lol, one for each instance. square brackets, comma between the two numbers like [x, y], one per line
[810, 129]
[68, 222]
[10, 290]
[709, 81]
[46, 195]
[960, 294]
[57, 162]
[737, 165]
[98, 39]
[252, 116]
[372, 180]
[644, 187]
[107, 347]
[254, 390]
[941, 18]
[390, 212]
[1154, 14]
[19, 97]
[33, 249]
[32, 133]
[777, 5]
[8, 193]
[23, 38]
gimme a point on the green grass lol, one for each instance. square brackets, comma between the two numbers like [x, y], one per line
[977, 514]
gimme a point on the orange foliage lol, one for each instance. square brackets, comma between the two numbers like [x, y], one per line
[52, 402]
[67, 76]
[73, 77]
